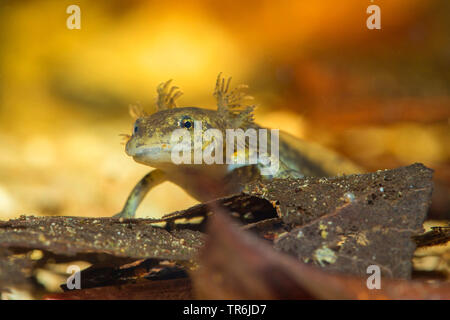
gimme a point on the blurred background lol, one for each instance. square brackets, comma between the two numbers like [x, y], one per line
[380, 97]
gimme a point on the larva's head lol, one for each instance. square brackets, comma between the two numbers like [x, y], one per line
[152, 142]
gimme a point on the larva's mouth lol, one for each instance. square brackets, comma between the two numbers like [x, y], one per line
[158, 153]
[145, 151]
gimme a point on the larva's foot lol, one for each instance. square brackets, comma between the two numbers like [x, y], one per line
[123, 215]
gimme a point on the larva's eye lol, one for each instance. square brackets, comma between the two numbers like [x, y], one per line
[135, 129]
[186, 122]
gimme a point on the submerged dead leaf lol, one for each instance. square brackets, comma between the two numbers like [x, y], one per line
[436, 236]
[349, 223]
[237, 265]
[70, 236]
[340, 224]
[176, 289]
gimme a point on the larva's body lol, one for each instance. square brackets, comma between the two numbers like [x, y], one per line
[151, 145]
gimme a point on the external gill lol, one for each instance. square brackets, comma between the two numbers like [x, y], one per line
[231, 104]
[167, 97]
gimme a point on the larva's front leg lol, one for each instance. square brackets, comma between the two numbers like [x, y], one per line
[150, 180]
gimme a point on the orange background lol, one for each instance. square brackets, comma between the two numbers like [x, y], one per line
[381, 97]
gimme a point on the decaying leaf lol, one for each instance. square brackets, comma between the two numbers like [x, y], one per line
[340, 224]
[15, 270]
[349, 223]
[70, 236]
[237, 265]
[436, 236]
[300, 201]
[177, 289]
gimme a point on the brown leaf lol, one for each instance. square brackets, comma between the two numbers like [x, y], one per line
[348, 223]
[237, 265]
[70, 236]
[340, 215]
[300, 201]
[15, 270]
[177, 289]
[437, 236]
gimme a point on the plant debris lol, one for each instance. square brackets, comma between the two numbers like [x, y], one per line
[237, 265]
[341, 224]
[437, 236]
[73, 235]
